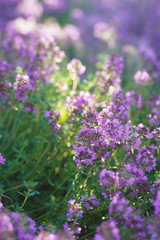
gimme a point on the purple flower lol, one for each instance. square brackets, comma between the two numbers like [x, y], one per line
[76, 67]
[156, 204]
[53, 117]
[2, 159]
[107, 230]
[141, 77]
[22, 86]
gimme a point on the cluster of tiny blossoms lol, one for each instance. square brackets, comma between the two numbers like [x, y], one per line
[17, 226]
[141, 77]
[102, 134]
[80, 104]
[75, 69]
[74, 212]
[154, 103]
[53, 117]
[102, 131]
[22, 86]
[110, 76]
[2, 159]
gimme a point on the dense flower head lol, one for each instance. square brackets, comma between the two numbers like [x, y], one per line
[2, 159]
[103, 130]
[109, 180]
[80, 104]
[155, 188]
[47, 236]
[141, 77]
[156, 204]
[53, 117]
[156, 134]
[71, 34]
[145, 158]
[52, 6]
[60, 234]
[110, 76]
[119, 206]
[107, 231]
[114, 65]
[90, 143]
[24, 226]
[22, 86]
[105, 32]
[5, 69]
[29, 107]
[4, 91]
[18, 226]
[143, 131]
[74, 208]
[76, 67]
[74, 213]
[152, 227]
[133, 98]
[30, 8]
[154, 103]
[134, 173]
[6, 227]
[15, 225]
[90, 202]
[124, 213]
[132, 177]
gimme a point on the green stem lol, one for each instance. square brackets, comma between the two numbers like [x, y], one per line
[87, 235]
[9, 189]
[26, 197]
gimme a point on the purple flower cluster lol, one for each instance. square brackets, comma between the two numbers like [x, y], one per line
[2, 159]
[53, 117]
[80, 104]
[107, 230]
[134, 98]
[61, 234]
[141, 77]
[154, 103]
[105, 32]
[145, 158]
[140, 228]
[22, 87]
[74, 208]
[5, 69]
[89, 203]
[110, 76]
[4, 92]
[74, 213]
[156, 204]
[15, 225]
[104, 130]
[18, 226]
[109, 180]
[76, 67]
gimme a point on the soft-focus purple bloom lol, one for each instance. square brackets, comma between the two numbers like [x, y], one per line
[156, 204]
[141, 77]
[2, 159]
[75, 66]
